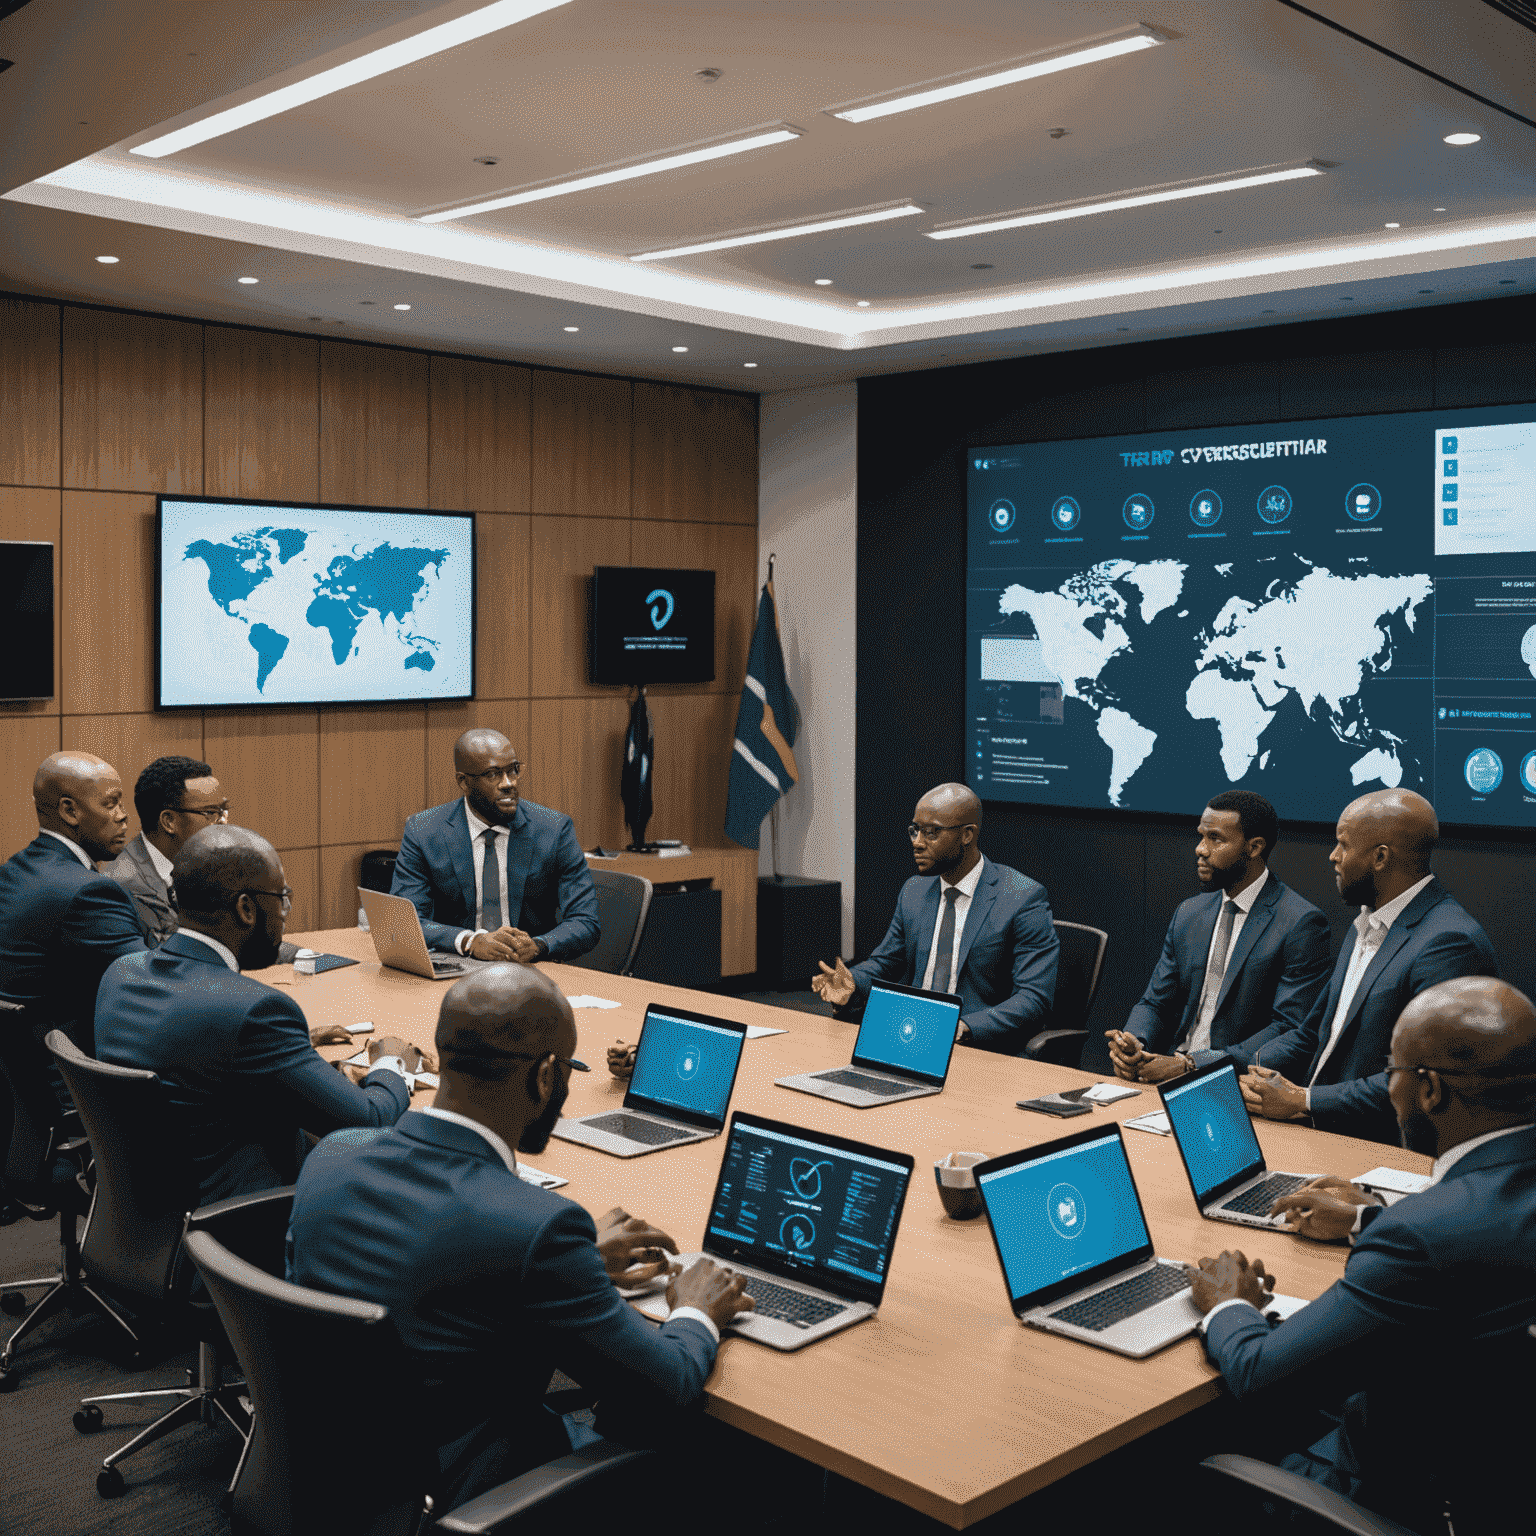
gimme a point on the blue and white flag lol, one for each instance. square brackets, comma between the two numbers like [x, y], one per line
[762, 756]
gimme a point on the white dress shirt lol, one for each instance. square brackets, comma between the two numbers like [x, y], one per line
[1200, 1035]
[967, 889]
[161, 863]
[72, 845]
[477, 829]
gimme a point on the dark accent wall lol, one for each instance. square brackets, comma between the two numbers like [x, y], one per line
[1124, 871]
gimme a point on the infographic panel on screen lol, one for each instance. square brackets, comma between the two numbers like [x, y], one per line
[263, 604]
[1312, 610]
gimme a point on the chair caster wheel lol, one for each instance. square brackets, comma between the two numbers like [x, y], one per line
[13, 1303]
[8, 1382]
[88, 1419]
[110, 1484]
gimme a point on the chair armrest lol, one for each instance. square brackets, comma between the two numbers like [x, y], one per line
[495, 1510]
[209, 1216]
[1051, 1045]
[1301, 1493]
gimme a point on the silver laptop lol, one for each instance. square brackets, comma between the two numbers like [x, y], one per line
[399, 942]
[685, 1070]
[902, 1051]
[1072, 1239]
[810, 1220]
[1221, 1154]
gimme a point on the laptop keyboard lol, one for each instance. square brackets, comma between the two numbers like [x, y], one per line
[635, 1129]
[1257, 1201]
[791, 1306]
[876, 1085]
[1096, 1313]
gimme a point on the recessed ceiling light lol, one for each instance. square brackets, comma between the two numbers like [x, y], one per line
[779, 134]
[402, 306]
[749, 365]
[1462, 138]
[784, 232]
[247, 280]
[863, 303]
[107, 261]
[679, 349]
[1028, 68]
[823, 282]
[1391, 226]
[381, 61]
[1437, 210]
[1165, 194]
[573, 329]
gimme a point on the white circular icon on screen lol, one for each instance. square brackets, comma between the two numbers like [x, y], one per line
[1138, 512]
[1205, 509]
[908, 1030]
[1065, 1210]
[1528, 773]
[1065, 512]
[688, 1063]
[1362, 503]
[1483, 771]
[1528, 649]
[1000, 515]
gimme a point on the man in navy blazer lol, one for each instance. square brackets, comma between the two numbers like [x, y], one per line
[1272, 963]
[1427, 1327]
[1411, 933]
[491, 1282]
[61, 923]
[992, 944]
[492, 875]
[235, 1055]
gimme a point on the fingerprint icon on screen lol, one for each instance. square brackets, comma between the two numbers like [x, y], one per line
[688, 1063]
[908, 1031]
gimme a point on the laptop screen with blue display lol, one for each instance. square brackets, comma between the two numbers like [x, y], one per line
[1213, 1130]
[909, 1030]
[686, 1064]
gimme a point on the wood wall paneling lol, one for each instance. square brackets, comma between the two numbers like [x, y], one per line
[563, 552]
[107, 642]
[25, 740]
[581, 445]
[262, 415]
[447, 722]
[131, 742]
[301, 869]
[132, 402]
[29, 393]
[36, 516]
[693, 765]
[374, 405]
[501, 606]
[480, 443]
[341, 864]
[695, 455]
[738, 910]
[372, 773]
[572, 763]
[268, 764]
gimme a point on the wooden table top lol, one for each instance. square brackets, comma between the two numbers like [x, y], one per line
[942, 1400]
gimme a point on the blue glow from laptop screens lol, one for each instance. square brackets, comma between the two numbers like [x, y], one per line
[1064, 1214]
[1214, 1132]
[686, 1064]
[913, 1033]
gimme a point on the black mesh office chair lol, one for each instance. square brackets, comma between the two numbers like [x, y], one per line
[623, 903]
[288, 1337]
[1275, 1485]
[1077, 984]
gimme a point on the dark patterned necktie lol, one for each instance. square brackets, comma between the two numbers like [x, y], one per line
[941, 961]
[490, 885]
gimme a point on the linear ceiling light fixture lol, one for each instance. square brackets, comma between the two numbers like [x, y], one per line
[1164, 194]
[1031, 67]
[779, 133]
[381, 61]
[786, 232]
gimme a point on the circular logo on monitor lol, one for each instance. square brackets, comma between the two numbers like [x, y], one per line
[1483, 771]
[1212, 1136]
[1065, 1210]
[1205, 509]
[1138, 512]
[1528, 772]
[1274, 503]
[908, 1031]
[797, 1232]
[688, 1063]
[1065, 512]
[1000, 516]
[1363, 503]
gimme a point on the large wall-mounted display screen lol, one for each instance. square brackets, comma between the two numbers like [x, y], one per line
[1311, 609]
[261, 603]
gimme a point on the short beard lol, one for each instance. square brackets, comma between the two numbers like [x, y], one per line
[536, 1133]
[1418, 1134]
[1359, 893]
[1223, 879]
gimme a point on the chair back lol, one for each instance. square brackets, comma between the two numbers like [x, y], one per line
[334, 1445]
[623, 903]
[144, 1183]
[37, 1125]
[1077, 973]
[253, 1227]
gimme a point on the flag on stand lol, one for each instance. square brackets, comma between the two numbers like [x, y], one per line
[762, 756]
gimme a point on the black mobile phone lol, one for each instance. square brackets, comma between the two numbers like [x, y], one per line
[1057, 1107]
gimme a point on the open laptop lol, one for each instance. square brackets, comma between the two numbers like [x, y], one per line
[1221, 1154]
[1072, 1239]
[902, 1050]
[685, 1069]
[399, 942]
[810, 1220]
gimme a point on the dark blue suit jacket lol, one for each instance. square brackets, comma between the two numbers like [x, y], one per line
[1006, 978]
[236, 1061]
[61, 926]
[1273, 976]
[550, 894]
[1433, 940]
[1429, 1316]
[491, 1282]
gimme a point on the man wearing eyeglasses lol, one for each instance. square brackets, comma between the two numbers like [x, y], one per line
[493, 875]
[963, 925]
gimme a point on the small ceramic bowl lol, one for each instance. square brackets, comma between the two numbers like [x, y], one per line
[956, 1180]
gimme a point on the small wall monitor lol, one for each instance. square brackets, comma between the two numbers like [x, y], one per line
[652, 626]
[26, 621]
[266, 603]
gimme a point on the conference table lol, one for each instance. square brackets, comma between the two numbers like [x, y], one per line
[942, 1400]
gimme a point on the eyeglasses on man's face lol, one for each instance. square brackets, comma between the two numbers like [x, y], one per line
[511, 770]
[285, 896]
[927, 832]
[210, 813]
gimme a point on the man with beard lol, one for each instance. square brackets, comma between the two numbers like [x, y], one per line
[492, 1282]
[963, 925]
[235, 1054]
[1250, 954]
[1411, 934]
[1427, 1326]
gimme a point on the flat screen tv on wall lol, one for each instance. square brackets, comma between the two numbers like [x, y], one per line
[652, 626]
[26, 621]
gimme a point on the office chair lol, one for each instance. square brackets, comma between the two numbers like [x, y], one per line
[1077, 985]
[366, 1470]
[623, 904]
[1276, 1485]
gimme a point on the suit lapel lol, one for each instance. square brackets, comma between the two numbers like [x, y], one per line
[927, 916]
[1253, 925]
[462, 855]
[981, 905]
[519, 857]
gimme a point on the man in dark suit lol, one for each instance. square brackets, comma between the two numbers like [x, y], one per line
[492, 1282]
[1250, 954]
[492, 875]
[1427, 1327]
[1411, 933]
[993, 944]
[235, 1054]
[61, 923]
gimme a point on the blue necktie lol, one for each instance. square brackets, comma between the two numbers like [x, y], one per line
[941, 961]
[490, 885]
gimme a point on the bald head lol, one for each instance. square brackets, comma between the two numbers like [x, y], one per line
[493, 1020]
[1384, 843]
[486, 767]
[213, 866]
[1476, 1024]
[80, 795]
[951, 803]
[479, 742]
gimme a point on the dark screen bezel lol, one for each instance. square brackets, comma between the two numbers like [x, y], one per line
[50, 624]
[1217, 1191]
[635, 1101]
[596, 659]
[873, 1065]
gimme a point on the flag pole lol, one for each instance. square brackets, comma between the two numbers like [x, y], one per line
[773, 810]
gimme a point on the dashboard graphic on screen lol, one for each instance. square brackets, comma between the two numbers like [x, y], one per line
[1311, 609]
[268, 604]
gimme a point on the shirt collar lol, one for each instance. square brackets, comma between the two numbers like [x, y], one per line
[477, 825]
[967, 886]
[226, 954]
[1448, 1160]
[1383, 917]
[159, 860]
[72, 845]
[1249, 894]
[496, 1143]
